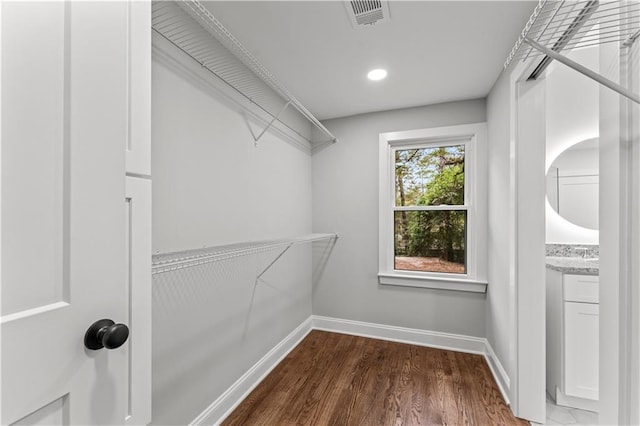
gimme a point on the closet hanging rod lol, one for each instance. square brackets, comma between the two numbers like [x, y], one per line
[583, 43]
[167, 262]
[537, 53]
[184, 36]
[586, 71]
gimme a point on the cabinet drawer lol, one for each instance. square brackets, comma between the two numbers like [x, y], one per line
[581, 288]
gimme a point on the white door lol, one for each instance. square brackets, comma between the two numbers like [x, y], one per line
[65, 231]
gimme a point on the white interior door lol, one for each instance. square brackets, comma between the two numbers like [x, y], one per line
[65, 97]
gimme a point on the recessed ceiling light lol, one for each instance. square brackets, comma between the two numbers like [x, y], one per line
[377, 74]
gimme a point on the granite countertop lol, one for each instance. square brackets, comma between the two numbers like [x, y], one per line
[574, 265]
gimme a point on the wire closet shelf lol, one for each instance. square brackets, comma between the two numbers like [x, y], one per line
[566, 25]
[191, 27]
[168, 262]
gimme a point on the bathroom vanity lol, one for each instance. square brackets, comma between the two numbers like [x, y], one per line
[572, 328]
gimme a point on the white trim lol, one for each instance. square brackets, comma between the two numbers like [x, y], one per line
[229, 400]
[454, 284]
[232, 397]
[474, 137]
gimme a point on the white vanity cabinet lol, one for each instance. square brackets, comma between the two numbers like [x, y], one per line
[572, 339]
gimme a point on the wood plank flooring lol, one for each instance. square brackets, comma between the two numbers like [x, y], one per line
[337, 379]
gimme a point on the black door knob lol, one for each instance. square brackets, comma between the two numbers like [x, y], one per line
[105, 333]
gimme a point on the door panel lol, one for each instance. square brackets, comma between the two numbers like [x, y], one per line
[64, 125]
[33, 270]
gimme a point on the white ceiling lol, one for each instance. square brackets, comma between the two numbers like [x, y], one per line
[434, 51]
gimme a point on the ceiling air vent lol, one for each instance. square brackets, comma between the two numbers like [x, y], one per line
[363, 13]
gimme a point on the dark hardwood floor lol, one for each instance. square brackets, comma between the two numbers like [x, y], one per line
[337, 379]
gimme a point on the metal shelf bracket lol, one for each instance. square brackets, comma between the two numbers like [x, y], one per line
[273, 120]
[273, 262]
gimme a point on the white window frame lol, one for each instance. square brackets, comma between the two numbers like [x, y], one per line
[473, 136]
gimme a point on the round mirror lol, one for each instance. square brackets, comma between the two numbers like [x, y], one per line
[572, 184]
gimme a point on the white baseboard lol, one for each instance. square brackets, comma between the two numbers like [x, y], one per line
[575, 402]
[412, 336]
[498, 371]
[229, 400]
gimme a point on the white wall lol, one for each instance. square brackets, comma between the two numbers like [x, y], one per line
[211, 187]
[571, 117]
[345, 200]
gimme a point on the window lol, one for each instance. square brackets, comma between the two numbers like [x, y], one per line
[430, 214]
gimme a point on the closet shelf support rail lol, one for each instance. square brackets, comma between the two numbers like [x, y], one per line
[167, 262]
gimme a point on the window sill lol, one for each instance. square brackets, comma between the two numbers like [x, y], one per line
[454, 284]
